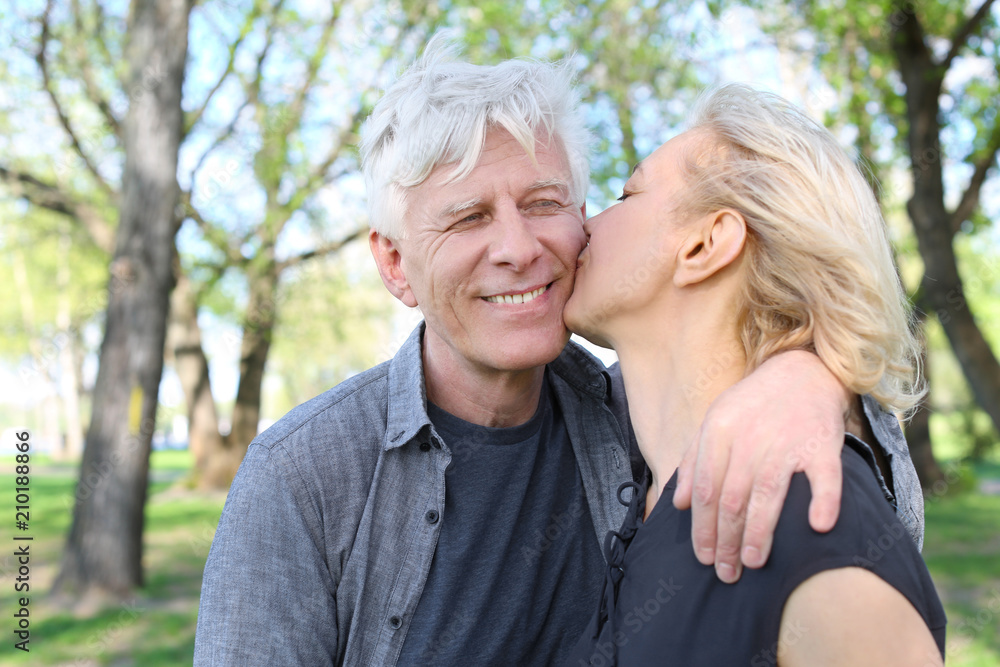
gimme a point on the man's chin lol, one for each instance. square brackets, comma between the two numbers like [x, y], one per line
[520, 356]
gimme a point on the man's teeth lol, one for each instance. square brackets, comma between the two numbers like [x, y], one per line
[516, 298]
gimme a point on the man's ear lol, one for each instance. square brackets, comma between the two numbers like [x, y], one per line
[390, 267]
[716, 242]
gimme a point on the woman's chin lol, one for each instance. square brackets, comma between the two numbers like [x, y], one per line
[585, 322]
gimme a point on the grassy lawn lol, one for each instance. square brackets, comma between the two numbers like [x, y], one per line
[157, 627]
[962, 550]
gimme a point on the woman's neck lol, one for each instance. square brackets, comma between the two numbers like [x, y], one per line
[671, 377]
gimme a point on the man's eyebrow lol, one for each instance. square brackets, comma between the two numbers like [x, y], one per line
[541, 184]
[456, 208]
[549, 183]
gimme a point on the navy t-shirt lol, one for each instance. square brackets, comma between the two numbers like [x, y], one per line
[661, 606]
[518, 564]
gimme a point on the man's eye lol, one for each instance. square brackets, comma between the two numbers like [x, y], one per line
[472, 217]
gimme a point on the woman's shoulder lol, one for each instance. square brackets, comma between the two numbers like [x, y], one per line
[867, 535]
[867, 517]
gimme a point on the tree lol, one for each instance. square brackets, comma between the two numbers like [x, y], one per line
[299, 146]
[934, 222]
[104, 547]
[894, 72]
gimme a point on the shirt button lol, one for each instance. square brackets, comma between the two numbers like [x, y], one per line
[431, 516]
[395, 622]
[425, 447]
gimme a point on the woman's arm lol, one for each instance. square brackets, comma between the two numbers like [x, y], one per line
[850, 617]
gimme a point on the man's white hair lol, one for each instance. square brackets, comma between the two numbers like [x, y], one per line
[439, 113]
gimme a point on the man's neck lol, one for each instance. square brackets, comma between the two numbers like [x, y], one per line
[485, 397]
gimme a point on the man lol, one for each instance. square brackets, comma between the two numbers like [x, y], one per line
[447, 507]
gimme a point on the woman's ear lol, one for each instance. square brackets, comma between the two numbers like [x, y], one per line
[390, 267]
[715, 243]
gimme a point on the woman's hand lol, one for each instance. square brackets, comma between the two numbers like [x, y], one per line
[788, 416]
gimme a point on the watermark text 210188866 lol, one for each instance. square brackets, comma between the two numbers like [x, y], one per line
[22, 515]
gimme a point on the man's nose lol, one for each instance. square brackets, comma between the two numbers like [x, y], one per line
[515, 243]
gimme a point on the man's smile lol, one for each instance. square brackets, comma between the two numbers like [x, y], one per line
[521, 297]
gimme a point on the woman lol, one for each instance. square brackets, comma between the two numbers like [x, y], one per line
[749, 234]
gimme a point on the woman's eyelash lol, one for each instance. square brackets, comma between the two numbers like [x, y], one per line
[625, 195]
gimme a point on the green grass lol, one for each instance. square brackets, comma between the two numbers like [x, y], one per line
[962, 550]
[157, 626]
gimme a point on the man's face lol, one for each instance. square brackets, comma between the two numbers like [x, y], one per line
[490, 259]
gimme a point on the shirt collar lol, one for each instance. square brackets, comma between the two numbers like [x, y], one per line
[583, 371]
[407, 410]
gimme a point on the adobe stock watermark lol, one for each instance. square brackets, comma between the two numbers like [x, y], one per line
[777, 480]
[952, 474]
[969, 627]
[559, 525]
[94, 475]
[631, 282]
[790, 635]
[34, 368]
[457, 625]
[101, 640]
[200, 540]
[634, 621]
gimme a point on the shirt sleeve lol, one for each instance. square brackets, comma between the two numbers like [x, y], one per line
[906, 484]
[267, 595]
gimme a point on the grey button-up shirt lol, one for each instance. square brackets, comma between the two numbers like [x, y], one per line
[325, 543]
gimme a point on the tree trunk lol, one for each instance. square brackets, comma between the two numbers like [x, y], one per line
[191, 365]
[932, 223]
[257, 331]
[104, 549]
[918, 432]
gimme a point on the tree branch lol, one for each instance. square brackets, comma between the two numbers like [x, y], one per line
[961, 37]
[193, 117]
[90, 86]
[297, 107]
[970, 198]
[225, 134]
[318, 177]
[63, 119]
[253, 88]
[50, 197]
[102, 44]
[218, 238]
[322, 250]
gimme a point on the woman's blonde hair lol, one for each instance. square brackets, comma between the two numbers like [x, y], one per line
[819, 264]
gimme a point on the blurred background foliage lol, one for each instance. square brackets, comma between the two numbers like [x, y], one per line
[277, 299]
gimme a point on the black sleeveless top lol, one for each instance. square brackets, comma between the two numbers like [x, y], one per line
[660, 606]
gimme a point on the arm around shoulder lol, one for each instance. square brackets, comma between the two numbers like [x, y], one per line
[267, 595]
[850, 617]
